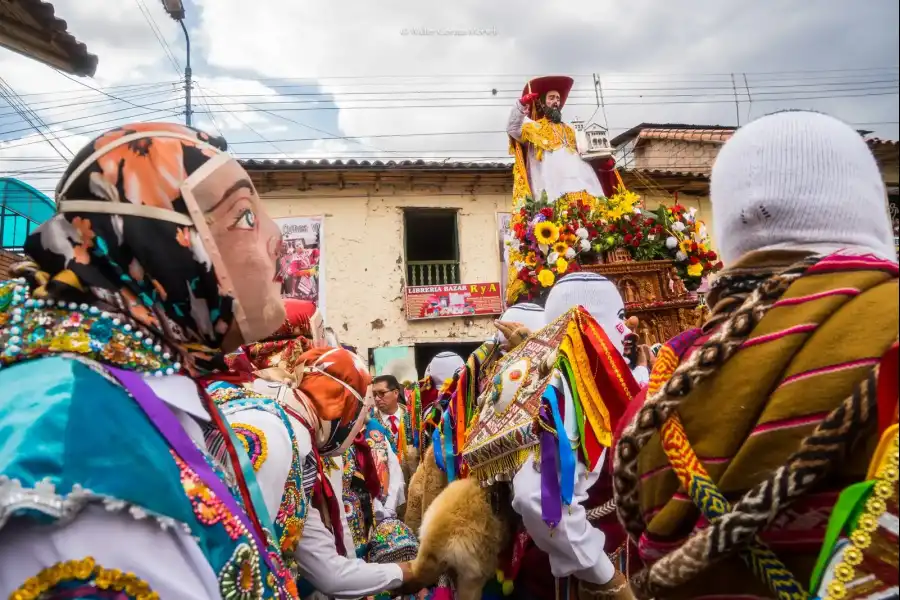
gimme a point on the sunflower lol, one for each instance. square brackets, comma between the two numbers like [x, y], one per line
[560, 248]
[695, 270]
[685, 246]
[546, 233]
[531, 260]
[546, 277]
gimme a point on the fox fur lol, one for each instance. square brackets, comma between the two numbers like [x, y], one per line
[461, 535]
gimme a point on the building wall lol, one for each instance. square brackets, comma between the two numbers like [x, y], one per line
[364, 258]
[675, 155]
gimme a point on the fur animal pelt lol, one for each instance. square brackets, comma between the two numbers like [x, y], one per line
[426, 483]
[461, 535]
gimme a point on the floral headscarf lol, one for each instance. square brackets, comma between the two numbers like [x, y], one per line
[293, 338]
[333, 390]
[140, 257]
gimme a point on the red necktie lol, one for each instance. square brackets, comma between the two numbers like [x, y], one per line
[393, 421]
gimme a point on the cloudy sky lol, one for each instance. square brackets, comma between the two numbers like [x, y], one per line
[405, 78]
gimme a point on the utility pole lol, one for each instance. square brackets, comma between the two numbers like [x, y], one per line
[175, 8]
[187, 76]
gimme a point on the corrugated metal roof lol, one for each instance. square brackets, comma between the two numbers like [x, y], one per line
[31, 28]
[325, 165]
[882, 142]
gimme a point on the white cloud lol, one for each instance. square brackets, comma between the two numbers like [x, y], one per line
[250, 54]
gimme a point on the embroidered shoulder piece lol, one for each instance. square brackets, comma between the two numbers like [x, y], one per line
[547, 136]
[34, 328]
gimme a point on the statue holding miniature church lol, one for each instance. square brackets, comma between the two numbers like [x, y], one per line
[571, 211]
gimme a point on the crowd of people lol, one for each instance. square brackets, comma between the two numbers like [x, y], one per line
[171, 428]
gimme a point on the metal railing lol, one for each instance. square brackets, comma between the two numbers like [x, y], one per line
[435, 272]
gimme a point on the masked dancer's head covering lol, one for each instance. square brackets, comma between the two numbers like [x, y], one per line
[331, 388]
[156, 222]
[302, 330]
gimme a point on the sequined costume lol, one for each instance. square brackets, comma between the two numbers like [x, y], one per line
[101, 423]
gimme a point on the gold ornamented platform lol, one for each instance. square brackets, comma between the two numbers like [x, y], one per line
[653, 293]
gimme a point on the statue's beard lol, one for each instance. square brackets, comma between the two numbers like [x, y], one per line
[553, 114]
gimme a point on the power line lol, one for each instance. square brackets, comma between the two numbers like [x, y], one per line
[67, 122]
[159, 36]
[99, 90]
[78, 104]
[12, 99]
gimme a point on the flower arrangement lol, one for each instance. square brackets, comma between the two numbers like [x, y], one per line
[688, 243]
[552, 239]
[549, 240]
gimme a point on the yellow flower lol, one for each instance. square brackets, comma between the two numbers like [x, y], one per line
[530, 260]
[701, 247]
[561, 266]
[546, 233]
[546, 277]
[695, 270]
[685, 246]
[560, 248]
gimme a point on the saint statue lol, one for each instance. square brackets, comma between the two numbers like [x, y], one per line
[547, 156]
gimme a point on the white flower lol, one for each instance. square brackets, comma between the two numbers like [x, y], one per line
[519, 265]
[570, 253]
[637, 210]
[514, 245]
[651, 237]
[585, 245]
[582, 233]
[553, 257]
[678, 226]
[671, 242]
[680, 256]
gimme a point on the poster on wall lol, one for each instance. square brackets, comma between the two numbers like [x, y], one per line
[457, 300]
[300, 263]
[503, 236]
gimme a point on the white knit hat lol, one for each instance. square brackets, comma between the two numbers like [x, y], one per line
[597, 294]
[443, 366]
[799, 180]
[529, 315]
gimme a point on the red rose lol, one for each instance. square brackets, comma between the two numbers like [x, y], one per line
[627, 238]
[635, 242]
[612, 228]
[694, 260]
[639, 235]
[719, 265]
[547, 212]
[648, 222]
[711, 255]
[592, 233]
[694, 246]
[707, 266]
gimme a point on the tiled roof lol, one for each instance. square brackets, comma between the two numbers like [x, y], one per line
[638, 129]
[714, 136]
[7, 259]
[880, 142]
[31, 28]
[325, 165]
[667, 173]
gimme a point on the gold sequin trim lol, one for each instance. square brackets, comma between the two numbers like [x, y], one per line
[861, 538]
[88, 571]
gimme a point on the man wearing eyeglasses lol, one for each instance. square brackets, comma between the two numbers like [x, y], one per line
[392, 415]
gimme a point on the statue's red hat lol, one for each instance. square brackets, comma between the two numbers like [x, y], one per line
[551, 83]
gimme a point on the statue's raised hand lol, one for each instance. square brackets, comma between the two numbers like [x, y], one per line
[528, 98]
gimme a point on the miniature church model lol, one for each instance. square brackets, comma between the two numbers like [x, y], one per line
[592, 139]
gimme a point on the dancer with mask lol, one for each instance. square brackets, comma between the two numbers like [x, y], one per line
[159, 258]
[297, 407]
[570, 378]
[514, 326]
[770, 415]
